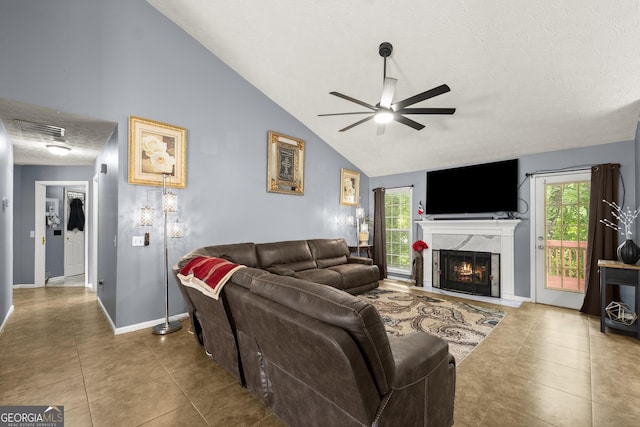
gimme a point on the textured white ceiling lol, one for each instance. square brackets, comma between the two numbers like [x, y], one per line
[525, 77]
[84, 135]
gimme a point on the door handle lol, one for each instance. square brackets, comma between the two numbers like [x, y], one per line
[540, 246]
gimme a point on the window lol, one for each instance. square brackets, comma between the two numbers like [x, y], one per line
[397, 203]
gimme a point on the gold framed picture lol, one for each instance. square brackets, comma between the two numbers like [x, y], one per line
[349, 187]
[285, 164]
[156, 149]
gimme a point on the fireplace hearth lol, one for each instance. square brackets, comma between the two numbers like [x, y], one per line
[470, 272]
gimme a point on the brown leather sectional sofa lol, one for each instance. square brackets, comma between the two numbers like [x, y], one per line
[315, 354]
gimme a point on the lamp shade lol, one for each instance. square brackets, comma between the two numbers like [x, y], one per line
[169, 202]
[146, 216]
[176, 229]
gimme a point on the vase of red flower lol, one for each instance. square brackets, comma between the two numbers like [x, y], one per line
[418, 267]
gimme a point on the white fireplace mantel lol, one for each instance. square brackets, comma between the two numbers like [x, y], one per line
[490, 235]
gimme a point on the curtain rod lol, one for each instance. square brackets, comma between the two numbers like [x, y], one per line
[393, 188]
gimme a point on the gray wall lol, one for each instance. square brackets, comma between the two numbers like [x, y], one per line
[124, 58]
[621, 152]
[108, 225]
[6, 225]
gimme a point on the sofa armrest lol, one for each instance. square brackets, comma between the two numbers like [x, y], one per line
[281, 271]
[359, 260]
[416, 356]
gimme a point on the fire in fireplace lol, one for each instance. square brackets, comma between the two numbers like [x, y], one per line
[469, 272]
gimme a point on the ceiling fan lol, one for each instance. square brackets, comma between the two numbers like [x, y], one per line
[386, 110]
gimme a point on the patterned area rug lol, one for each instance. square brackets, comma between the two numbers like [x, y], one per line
[462, 324]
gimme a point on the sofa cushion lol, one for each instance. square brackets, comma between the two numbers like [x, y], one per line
[356, 274]
[297, 266]
[294, 255]
[239, 253]
[244, 276]
[330, 262]
[328, 248]
[360, 319]
[324, 276]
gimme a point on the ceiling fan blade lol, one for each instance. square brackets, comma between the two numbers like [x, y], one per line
[344, 114]
[427, 111]
[420, 97]
[409, 122]
[357, 123]
[357, 101]
[388, 89]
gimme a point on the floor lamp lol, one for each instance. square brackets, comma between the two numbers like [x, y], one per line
[169, 204]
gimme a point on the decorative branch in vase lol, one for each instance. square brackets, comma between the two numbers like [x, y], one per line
[628, 252]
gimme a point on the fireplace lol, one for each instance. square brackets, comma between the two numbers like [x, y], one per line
[494, 236]
[476, 273]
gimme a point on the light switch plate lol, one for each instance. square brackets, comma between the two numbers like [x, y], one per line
[137, 241]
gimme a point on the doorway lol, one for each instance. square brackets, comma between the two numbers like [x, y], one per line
[75, 246]
[560, 218]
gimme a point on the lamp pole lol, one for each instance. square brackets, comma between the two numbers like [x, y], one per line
[167, 327]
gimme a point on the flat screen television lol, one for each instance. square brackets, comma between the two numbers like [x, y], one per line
[483, 188]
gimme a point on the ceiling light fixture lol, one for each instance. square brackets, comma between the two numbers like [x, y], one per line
[58, 150]
[384, 116]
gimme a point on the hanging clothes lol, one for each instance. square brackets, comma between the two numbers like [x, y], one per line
[76, 215]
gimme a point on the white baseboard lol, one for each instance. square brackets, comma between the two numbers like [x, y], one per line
[26, 286]
[148, 324]
[137, 326]
[6, 318]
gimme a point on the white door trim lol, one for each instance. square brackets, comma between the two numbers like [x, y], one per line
[40, 231]
[94, 233]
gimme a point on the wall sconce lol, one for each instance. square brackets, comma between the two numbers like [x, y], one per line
[146, 216]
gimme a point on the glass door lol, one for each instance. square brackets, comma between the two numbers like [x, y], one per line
[561, 223]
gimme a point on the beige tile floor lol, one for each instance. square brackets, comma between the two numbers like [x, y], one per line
[542, 366]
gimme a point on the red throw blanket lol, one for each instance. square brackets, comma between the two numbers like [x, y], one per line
[207, 274]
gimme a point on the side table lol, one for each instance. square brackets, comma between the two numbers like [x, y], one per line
[362, 249]
[618, 273]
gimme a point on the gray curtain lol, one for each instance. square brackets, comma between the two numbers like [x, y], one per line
[379, 232]
[602, 241]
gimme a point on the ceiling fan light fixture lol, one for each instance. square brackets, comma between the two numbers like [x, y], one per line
[384, 116]
[58, 150]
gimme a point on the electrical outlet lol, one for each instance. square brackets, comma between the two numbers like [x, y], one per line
[137, 241]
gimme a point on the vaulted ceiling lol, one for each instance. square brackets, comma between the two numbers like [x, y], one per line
[525, 77]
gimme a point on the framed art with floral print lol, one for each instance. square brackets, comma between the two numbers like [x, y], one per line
[156, 149]
[285, 165]
[349, 187]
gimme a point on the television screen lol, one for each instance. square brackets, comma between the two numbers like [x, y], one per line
[484, 188]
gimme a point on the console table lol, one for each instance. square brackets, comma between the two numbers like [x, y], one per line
[618, 273]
